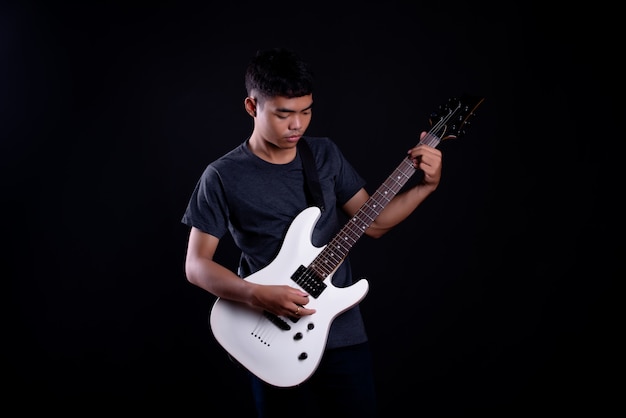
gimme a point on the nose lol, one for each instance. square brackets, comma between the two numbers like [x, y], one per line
[295, 123]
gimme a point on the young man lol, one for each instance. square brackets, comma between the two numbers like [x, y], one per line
[254, 192]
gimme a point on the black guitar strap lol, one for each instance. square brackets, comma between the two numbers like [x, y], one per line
[314, 190]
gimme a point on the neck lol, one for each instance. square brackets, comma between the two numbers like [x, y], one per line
[269, 152]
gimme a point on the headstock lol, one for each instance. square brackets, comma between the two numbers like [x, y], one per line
[452, 119]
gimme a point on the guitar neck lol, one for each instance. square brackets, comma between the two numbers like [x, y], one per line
[338, 248]
[449, 122]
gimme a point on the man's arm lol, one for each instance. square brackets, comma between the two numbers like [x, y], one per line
[205, 273]
[427, 159]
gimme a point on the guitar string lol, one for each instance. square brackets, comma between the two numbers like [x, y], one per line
[338, 248]
[335, 252]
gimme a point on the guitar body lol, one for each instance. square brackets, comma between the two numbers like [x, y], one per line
[280, 356]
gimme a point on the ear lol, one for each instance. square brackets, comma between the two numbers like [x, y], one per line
[250, 105]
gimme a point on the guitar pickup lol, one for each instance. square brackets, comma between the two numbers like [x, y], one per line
[276, 320]
[309, 280]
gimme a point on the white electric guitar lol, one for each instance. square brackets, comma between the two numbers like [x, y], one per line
[285, 351]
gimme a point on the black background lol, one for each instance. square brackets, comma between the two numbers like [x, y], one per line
[496, 298]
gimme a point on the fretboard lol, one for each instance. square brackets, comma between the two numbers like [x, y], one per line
[338, 248]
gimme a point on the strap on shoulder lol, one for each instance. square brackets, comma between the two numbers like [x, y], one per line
[313, 189]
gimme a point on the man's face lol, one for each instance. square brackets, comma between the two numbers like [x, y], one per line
[282, 121]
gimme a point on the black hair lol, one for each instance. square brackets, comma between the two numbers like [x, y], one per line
[278, 72]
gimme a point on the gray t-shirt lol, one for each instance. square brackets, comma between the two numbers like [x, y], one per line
[256, 201]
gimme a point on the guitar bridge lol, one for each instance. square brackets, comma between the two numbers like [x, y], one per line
[309, 280]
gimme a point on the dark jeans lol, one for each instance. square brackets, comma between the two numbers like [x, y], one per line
[342, 386]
